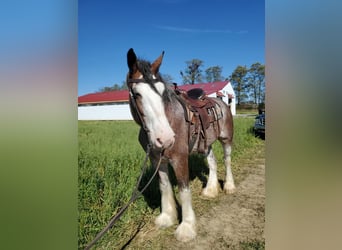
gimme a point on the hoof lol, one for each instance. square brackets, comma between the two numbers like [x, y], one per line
[229, 189]
[211, 192]
[165, 220]
[185, 232]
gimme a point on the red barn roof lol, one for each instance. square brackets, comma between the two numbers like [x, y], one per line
[209, 88]
[122, 95]
[103, 97]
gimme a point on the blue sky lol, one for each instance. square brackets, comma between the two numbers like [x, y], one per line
[218, 32]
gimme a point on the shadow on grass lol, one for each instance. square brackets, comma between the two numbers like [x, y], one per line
[197, 169]
[152, 193]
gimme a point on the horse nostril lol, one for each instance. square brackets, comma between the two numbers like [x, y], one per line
[164, 143]
[160, 141]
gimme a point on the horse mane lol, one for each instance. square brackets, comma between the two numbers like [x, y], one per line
[144, 67]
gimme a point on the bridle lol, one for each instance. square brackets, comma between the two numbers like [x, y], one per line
[136, 193]
[133, 98]
[142, 80]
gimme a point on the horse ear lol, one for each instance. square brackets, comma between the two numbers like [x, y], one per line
[131, 60]
[156, 64]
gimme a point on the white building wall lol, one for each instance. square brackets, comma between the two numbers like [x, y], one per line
[228, 90]
[123, 112]
[105, 112]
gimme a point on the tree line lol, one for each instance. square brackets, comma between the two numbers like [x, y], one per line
[248, 82]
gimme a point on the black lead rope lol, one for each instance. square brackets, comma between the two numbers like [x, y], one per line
[135, 195]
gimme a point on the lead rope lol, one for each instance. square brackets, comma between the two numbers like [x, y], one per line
[135, 195]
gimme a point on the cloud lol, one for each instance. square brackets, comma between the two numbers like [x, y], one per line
[189, 30]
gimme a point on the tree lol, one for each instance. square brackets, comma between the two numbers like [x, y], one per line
[213, 74]
[256, 82]
[168, 79]
[193, 72]
[124, 85]
[239, 84]
[107, 89]
[114, 87]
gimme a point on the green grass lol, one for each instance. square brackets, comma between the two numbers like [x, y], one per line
[246, 111]
[110, 159]
[109, 164]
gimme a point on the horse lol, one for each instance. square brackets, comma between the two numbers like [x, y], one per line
[165, 127]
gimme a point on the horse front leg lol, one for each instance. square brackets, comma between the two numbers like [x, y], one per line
[168, 216]
[212, 188]
[229, 186]
[186, 231]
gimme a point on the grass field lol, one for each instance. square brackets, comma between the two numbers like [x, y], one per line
[110, 159]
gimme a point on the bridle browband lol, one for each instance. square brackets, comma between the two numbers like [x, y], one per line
[142, 80]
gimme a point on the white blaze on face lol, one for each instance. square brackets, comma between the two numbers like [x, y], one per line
[160, 87]
[162, 135]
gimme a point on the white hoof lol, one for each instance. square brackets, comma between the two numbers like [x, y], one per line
[210, 192]
[185, 232]
[229, 189]
[165, 220]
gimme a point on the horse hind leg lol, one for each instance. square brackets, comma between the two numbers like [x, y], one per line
[168, 216]
[229, 186]
[212, 188]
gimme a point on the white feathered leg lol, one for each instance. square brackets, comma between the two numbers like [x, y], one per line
[229, 186]
[168, 215]
[186, 231]
[212, 188]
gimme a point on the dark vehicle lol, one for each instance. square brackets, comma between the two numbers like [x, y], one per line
[259, 125]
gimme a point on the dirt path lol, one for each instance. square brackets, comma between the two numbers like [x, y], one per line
[237, 222]
[232, 222]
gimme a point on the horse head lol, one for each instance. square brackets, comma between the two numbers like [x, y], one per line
[147, 89]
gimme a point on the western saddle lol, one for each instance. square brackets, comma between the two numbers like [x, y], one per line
[201, 112]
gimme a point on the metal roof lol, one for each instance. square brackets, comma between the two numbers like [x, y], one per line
[122, 95]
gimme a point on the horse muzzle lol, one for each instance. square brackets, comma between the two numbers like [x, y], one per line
[164, 142]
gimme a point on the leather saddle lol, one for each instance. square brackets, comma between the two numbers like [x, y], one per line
[203, 112]
[198, 102]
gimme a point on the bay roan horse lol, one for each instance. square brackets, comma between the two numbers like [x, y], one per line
[166, 125]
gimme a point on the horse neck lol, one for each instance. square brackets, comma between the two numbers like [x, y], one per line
[173, 108]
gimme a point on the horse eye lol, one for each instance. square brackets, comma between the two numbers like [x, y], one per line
[137, 94]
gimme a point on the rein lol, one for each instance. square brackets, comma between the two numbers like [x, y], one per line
[135, 106]
[135, 195]
[134, 103]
